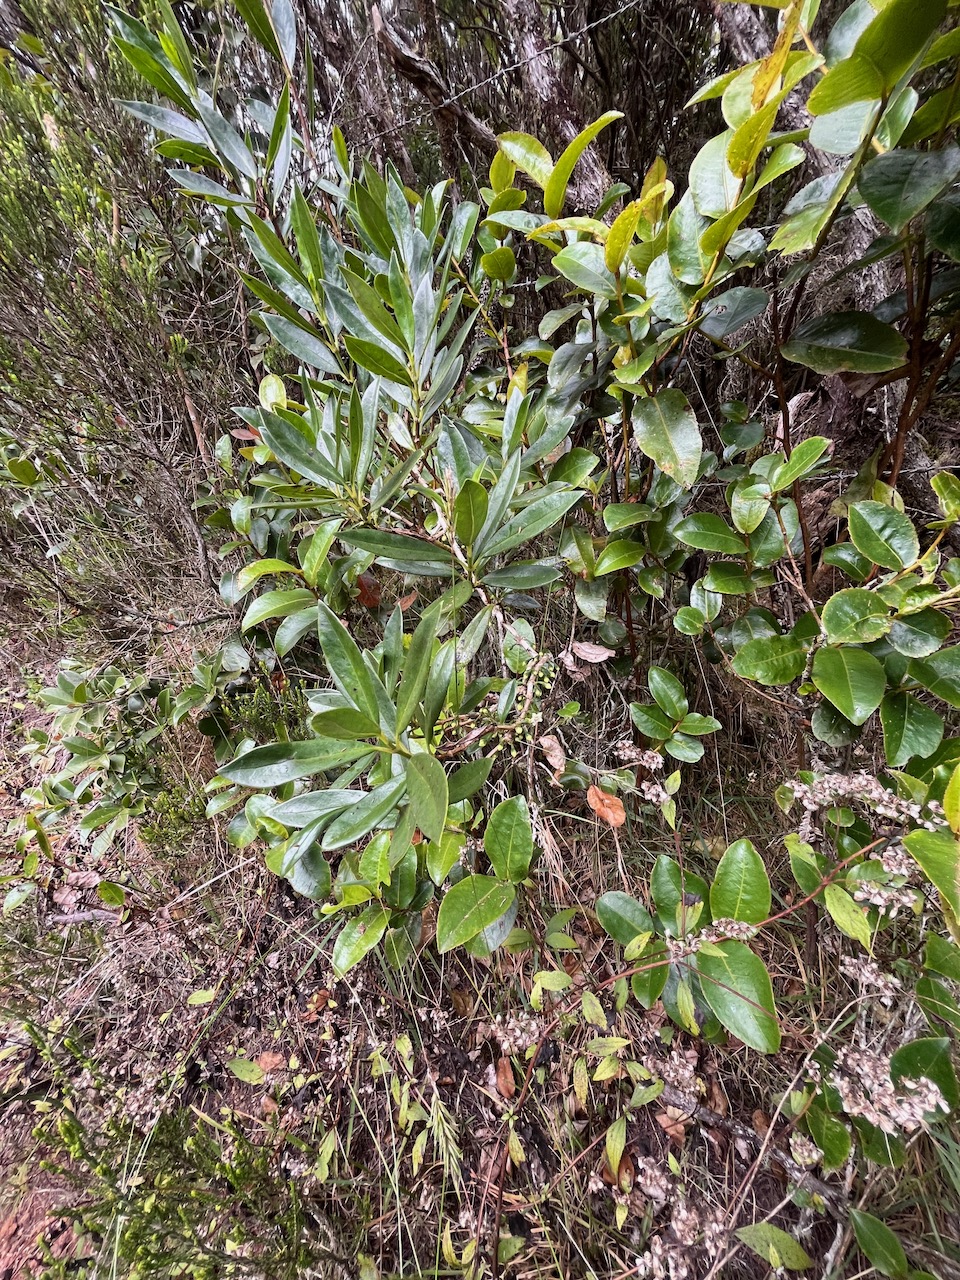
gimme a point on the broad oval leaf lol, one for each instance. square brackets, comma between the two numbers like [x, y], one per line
[855, 616]
[885, 536]
[666, 430]
[846, 342]
[736, 986]
[909, 729]
[741, 889]
[469, 907]
[508, 839]
[852, 680]
[900, 184]
[771, 660]
[623, 917]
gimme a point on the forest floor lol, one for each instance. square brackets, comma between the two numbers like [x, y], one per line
[184, 1084]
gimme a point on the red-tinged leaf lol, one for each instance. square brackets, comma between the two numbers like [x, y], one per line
[369, 591]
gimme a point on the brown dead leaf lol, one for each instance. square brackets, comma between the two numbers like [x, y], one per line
[717, 1099]
[406, 601]
[761, 1123]
[607, 807]
[271, 1061]
[268, 1106]
[674, 1124]
[462, 1002]
[592, 652]
[506, 1085]
[553, 751]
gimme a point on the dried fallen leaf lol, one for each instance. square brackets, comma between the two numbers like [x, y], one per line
[761, 1123]
[592, 652]
[268, 1106]
[609, 808]
[506, 1085]
[271, 1061]
[406, 601]
[674, 1124]
[553, 751]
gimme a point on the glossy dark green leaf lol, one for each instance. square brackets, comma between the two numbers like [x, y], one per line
[851, 679]
[736, 986]
[623, 917]
[930, 1057]
[621, 553]
[879, 1244]
[508, 839]
[741, 888]
[899, 184]
[709, 532]
[940, 673]
[282, 762]
[470, 511]
[416, 667]
[855, 616]
[830, 1135]
[727, 312]
[882, 534]
[376, 360]
[651, 721]
[301, 342]
[293, 449]
[345, 663]
[846, 342]
[668, 692]
[771, 660]
[360, 819]
[428, 792]
[468, 779]
[909, 729]
[918, 635]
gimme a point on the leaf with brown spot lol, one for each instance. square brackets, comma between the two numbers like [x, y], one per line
[506, 1085]
[592, 652]
[607, 807]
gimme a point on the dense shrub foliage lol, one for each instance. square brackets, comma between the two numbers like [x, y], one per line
[641, 484]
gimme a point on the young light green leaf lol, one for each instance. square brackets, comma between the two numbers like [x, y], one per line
[555, 189]
[469, 907]
[774, 1246]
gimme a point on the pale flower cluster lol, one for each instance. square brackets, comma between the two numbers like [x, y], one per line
[866, 1089]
